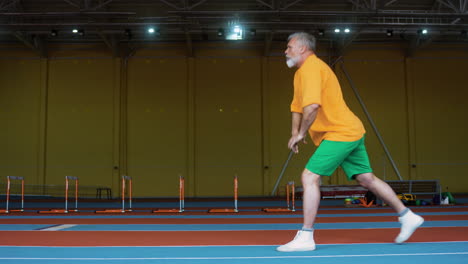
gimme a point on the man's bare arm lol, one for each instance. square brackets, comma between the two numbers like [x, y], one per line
[306, 119]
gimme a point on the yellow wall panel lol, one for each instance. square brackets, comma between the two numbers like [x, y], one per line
[157, 125]
[79, 51]
[229, 49]
[228, 126]
[80, 121]
[381, 85]
[19, 105]
[223, 112]
[453, 51]
[17, 52]
[279, 92]
[440, 92]
[170, 50]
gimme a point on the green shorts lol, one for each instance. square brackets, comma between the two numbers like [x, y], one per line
[351, 156]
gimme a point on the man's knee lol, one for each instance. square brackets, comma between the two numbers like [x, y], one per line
[365, 179]
[310, 178]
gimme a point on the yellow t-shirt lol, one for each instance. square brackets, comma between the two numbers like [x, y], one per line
[316, 83]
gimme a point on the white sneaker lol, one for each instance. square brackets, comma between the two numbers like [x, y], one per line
[303, 241]
[409, 223]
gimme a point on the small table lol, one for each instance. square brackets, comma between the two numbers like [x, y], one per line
[107, 190]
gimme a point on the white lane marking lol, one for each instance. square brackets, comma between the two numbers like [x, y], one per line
[57, 227]
[200, 246]
[261, 257]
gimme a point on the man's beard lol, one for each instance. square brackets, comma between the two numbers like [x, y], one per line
[291, 61]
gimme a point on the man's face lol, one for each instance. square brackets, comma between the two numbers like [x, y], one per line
[293, 53]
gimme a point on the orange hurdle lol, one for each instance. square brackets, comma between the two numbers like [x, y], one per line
[229, 210]
[8, 190]
[181, 199]
[290, 208]
[293, 195]
[65, 211]
[123, 210]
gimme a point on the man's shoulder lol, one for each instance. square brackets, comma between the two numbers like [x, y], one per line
[313, 63]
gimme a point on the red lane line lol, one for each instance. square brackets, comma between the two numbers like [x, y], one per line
[197, 238]
[98, 221]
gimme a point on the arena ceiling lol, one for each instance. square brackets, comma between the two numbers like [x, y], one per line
[38, 23]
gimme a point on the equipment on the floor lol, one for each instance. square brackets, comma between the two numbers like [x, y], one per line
[228, 210]
[289, 202]
[8, 194]
[181, 200]
[65, 211]
[125, 180]
[447, 198]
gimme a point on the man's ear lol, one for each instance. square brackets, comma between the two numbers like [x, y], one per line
[302, 49]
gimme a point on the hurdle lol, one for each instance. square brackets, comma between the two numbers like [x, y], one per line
[66, 211]
[291, 206]
[181, 199]
[125, 179]
[8, 192]
[229, 210]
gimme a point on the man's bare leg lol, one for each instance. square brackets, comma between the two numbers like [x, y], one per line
[409, 220]
[304, 240]
[311, 197]
[382, 190]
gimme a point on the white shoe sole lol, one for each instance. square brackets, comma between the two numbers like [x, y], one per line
[400, 240]
[280, 249]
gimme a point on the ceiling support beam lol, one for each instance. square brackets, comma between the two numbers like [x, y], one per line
[368, 4]
[171, 5]
[5, 5]
[436, 6]
[390, 3]
[373, 4]
[449, 4]
[460, 9]
[72, 3]
[197, 4]
[455, 21]
[23, 39]
[265, 4]
[40, 43]
[291, 4]
[101, 5]
[111, 43]
[464, 6]
[86, 4]
[37, 43]
[358, 5]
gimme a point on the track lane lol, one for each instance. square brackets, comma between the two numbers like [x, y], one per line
[194, 238]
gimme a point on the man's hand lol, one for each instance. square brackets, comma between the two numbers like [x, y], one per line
[293, 142]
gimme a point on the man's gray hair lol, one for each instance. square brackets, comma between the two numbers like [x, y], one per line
[306, 39]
